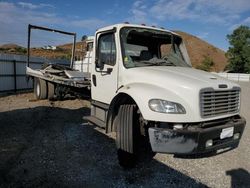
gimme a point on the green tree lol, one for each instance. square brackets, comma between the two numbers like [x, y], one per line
[21, 50]
[84, 37]
[239, 50]
[206, 64]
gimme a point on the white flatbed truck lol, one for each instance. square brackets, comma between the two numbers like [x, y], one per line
[144, 88]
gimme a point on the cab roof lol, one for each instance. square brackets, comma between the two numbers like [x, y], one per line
[121, 25]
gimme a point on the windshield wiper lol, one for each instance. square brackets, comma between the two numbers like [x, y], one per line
[158, 63]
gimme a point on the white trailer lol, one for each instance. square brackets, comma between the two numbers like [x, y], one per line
[84, 64]
[144, 89]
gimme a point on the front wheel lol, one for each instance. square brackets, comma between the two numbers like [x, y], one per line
[128, 134]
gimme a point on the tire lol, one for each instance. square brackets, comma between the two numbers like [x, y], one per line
[126, 159]
[40, 88]
[51, 90]
[127, 137]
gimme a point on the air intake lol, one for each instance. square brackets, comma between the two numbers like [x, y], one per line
[216, 103]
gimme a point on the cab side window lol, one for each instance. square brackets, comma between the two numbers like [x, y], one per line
[89, 46]
[107, 49]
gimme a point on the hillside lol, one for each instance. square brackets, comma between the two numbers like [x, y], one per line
[61, 51]
[196, 47]
[12, 48]
[9, 46]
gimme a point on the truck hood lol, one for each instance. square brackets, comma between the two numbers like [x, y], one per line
[175, 77]
[177, 84]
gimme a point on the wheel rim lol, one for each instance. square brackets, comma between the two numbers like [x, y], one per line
[38, 89]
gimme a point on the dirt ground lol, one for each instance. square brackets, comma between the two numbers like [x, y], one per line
[49, 144]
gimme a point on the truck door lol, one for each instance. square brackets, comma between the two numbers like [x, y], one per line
[105, 69]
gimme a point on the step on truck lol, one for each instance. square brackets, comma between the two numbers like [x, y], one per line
[144, 89]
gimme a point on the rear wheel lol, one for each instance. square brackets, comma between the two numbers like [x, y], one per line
[128, 134]
[51, 90]
[40, 88]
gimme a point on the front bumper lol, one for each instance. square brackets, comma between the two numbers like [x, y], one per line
[193, 141]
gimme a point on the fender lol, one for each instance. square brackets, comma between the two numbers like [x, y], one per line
[140, 94]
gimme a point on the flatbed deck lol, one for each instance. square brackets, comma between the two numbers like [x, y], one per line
[74, 79]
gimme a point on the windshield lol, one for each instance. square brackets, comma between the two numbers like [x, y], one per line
[148, 47]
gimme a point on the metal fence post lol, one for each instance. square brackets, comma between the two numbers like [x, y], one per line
[15, 84]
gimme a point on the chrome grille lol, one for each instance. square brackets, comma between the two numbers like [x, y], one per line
[215, 102]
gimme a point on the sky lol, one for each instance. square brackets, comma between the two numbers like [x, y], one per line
[210, 20]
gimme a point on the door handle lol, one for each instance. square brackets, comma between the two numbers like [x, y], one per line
[94, 79]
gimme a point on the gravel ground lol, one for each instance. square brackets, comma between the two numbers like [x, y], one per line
[48, 144]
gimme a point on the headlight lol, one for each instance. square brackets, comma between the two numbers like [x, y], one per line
[168, 107]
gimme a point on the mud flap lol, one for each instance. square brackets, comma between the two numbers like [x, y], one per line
[169, 141]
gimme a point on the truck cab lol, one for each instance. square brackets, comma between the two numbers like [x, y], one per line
[143, 85]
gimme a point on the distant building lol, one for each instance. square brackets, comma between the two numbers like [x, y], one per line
[49, 47]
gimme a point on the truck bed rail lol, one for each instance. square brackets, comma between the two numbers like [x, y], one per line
[77, 81]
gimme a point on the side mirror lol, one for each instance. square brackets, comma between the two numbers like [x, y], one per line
[109, 70]
[99, 64]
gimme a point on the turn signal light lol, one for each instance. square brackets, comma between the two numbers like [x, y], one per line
[236, 136]
[209, 143]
